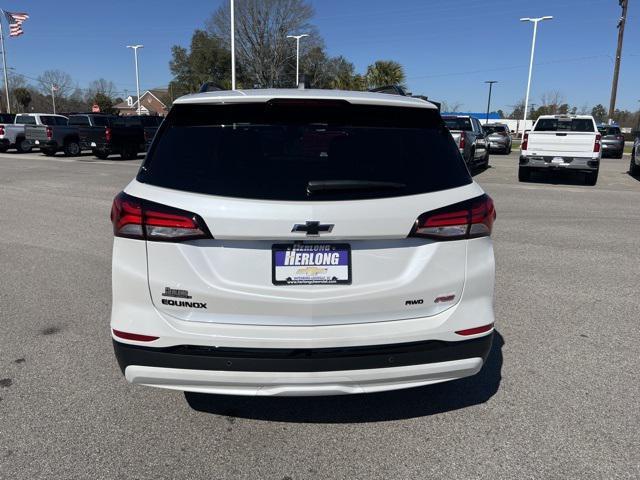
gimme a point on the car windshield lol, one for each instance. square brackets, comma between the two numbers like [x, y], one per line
[458, 123]
[276, 150]
[489, 129]
[564, 125]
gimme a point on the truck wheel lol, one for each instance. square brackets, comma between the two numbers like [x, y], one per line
[3, 148]
[101, 154]
[634, 170]
[71, 149]
[23, 145]
[128, 153]
[524, 174]
[49, 152]
[591, 178]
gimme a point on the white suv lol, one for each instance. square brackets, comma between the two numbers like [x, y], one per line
[302, 242]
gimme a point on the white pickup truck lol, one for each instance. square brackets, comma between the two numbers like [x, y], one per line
[562, 142]
[13, 135]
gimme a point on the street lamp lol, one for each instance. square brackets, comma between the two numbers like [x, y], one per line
[535, 22]
[490, 82]
[297, 37]
[135, 55]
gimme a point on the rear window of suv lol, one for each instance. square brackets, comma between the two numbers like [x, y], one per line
[276, 150]
[458, 123]
[564, 125]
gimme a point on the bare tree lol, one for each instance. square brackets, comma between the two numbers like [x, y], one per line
[450, 107]
[61, 80]
[264, 52]
[102, 86]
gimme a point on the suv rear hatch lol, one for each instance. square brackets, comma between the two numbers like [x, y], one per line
[291, 179]
[574, 136]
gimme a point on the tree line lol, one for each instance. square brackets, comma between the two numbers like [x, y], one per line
[553, 103]
[35, 95]
[265, 57]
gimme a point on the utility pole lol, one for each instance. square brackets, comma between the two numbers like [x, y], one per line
[233, 46]
[490, 82]
[616, 69]
[297, 37]
[135, 54]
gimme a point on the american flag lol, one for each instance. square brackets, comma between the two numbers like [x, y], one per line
[15, 22]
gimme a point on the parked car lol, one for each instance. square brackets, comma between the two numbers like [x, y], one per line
[109, 135]
[54, 136]
[562, 142]
[612, 141]
[468, 134]
[14, 136]
[498, 137]
[301, 242]
[634, 163]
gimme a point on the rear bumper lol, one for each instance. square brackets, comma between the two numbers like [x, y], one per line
[586, 164]
[292, 372]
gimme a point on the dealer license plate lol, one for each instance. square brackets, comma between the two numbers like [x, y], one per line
[311, 264]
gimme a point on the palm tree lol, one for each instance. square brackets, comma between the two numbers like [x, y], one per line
[383, 73]
[23, 96]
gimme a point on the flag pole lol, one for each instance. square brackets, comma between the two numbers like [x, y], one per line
[4, 64]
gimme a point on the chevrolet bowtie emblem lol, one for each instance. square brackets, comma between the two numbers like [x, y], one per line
[312, 229]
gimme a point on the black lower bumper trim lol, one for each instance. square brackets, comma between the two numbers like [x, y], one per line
[301, 360]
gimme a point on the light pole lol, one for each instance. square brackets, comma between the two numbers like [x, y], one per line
[53, 97]
[233, 45]
[297, 37]
[135, 55]
[535, 22]
[490, 82]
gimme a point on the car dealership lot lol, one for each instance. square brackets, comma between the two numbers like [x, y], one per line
[557, 398]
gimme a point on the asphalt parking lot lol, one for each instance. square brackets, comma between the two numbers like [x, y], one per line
[558, 397]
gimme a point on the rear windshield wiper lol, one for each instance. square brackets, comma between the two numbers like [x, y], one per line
[315, 186]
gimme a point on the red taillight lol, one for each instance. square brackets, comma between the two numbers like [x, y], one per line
[469, 219]
[107, 133]
[596, 145]
[462, 141]
[136, 218]
[1, 129]
[475, 331]
[134, 336]
[49, 131]
[525, 141]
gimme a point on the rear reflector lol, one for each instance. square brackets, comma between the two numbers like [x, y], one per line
[469, 219]
[134, 336]
[475, 331]
[134, 217]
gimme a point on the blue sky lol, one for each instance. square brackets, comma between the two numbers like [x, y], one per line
[447, 48]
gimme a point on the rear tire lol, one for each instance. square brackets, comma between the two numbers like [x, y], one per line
[71, 149]
[3, 148]
[620, 155]
[101, 154]
[23, 146]
[49, 152]
[634, 170]
[524, 174]
[128, 153]
[591, 178]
